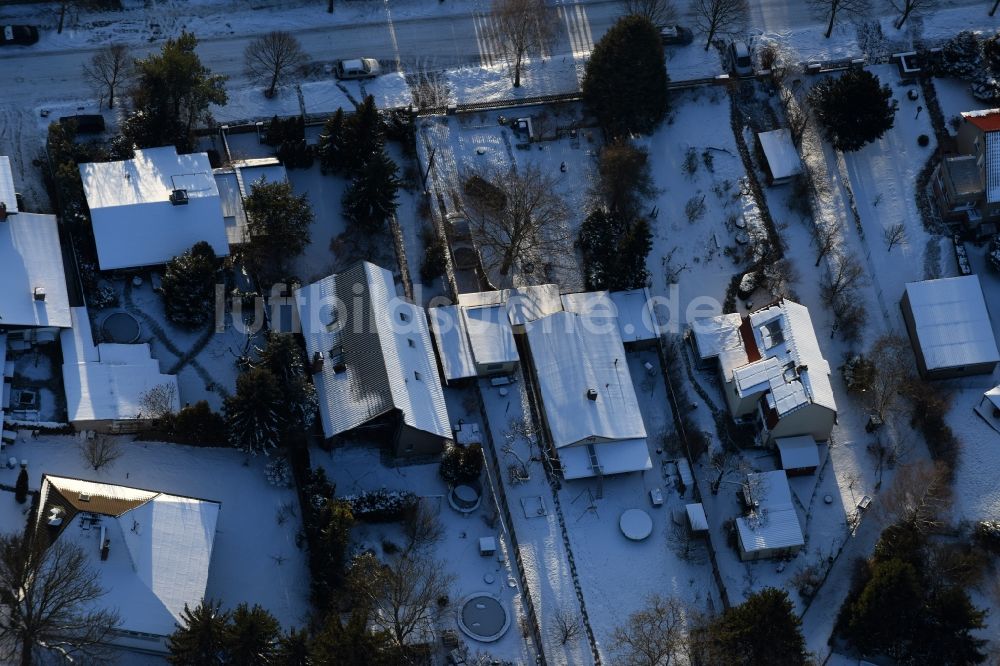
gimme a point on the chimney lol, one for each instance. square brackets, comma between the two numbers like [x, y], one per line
[39, 293]
[592, 394]
[317, 364]
[179, 197]
[105, 543]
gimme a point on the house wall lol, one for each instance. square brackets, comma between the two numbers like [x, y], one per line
[491, 369]
[766, 553]
[410, 441]
[811, 419]
[739, 406]
[113, 426]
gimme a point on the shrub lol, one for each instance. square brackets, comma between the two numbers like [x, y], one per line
[381, 506]
[923, 140]
[987, 535]
[21, 487]
[197, 424]
[461, 464]
[853, 109]
[434, 262]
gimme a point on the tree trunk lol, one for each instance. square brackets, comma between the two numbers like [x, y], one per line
[111, 96]
[329, 7]
[829, 26]
[906, 15]
[517, 72]
[27, 647]
[269, 93]
[62, 16]
[996, 4]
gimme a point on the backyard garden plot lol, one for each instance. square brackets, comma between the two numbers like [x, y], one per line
[356, 469]
[954, 97]
[255, 558]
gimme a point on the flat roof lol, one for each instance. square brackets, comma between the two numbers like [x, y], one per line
[491, 339]
[632, 310]
[952, 322]
[31, 258]
[696, 517]
[779, 151]
[797, 452]
[452, 342]
[774, 524]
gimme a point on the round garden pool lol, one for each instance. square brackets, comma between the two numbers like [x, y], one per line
[121, 327]
[483, 617]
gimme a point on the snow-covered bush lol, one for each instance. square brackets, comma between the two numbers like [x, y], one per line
[461, 464]
[961, 56]
[278, 473]
[381, 506]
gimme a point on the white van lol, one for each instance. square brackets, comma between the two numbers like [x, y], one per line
[358, 68]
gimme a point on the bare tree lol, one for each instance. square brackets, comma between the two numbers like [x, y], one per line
[567, 625]
[524, 27]
[271, 58]
[778, 278]
[825, 238]
[920, 495]
[653, 635]
[518, 216]
[52, 602]
[846, 275]
[831, 10]
[404, 596]
[993, 10]
[100, 451]
[713, 17]
[422, 528]
[108, 70]
[894, 235]
[158, 401]
[907, 7]
[892, 368]
[659, 12]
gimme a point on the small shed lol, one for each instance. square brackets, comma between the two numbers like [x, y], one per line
[684, 471]
[697, 520]
[799, 455]
[781, 160]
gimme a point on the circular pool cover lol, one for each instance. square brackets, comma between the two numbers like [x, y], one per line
[121, 327]
[483, 617]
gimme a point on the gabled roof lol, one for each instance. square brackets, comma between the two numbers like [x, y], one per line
[134, 221]
[160, 546]
[356, 318]
[31, 259]
[779, 151]
[952, 323]
[987, 120]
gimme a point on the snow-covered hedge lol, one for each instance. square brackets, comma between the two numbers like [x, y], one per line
[381, 506]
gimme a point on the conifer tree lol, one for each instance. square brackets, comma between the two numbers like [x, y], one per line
[252, 636]
[370, 200]
[201, 637]
[853, 109]
[253, 414]
[21, 486]
[189, 286]
[331, 143]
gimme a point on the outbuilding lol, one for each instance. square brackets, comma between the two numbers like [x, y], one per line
[781, 160]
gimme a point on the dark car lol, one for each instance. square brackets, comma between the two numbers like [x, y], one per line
[85, 123]
[18, 34]
[675, 35]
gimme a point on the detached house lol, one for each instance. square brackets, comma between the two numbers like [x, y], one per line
[372, 361]
[967, 185]
[773, 371]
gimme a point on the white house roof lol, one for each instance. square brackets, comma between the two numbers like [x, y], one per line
[30, 259]
[452, 342]
[107, 381]
[490, 336]
[632, 311]
[797, 452]
[159, 552]
[774, 523]
[696, 517]
[235, 183]
[7, 191]
[384, 345]
[779, 150]
[993, 395]
[952, 323]
[719, 337]
[526, 304]
[134, 222]
[617, 457]
[571, 359]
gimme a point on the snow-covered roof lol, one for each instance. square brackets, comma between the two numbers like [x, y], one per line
[773, 524]
[797, 452]
[965, 174]
[952, 323]
[134, 221]
[793, 366]
[992, 167]
[993, 395]
[235, 182]
[160, 547]
[696, 517]
[586, 388]
[106, 381]
[617, 457]
[382, 346]
[30, 262]
[779, 150]
[527, 304]
[490, 336]
[452, 342]
[719, 337]
[632, 310]
[7, 191]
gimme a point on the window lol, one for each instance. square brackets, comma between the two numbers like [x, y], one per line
[493, 367]
[404, 317]
[410, 342]
[416, 375]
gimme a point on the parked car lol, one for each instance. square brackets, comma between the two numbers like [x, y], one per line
[358, 68]
[463, 248]
[85, 123]
[675, 35]
[738, 55]
[18, 34]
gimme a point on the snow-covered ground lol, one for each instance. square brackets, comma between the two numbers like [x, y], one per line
[954, 97]
[254, 559]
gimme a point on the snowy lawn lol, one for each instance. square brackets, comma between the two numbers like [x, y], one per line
[254, 559]
[954, 97]
[356, 469]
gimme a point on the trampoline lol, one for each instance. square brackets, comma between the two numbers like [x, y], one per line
[121, 327]
[483, 618]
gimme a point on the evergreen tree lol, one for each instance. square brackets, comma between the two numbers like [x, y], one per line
[371, 198]
[252, 636]
[961, 56]
[633, 249]
[764, 629]
[278, 223]
[173, 93]
[328, 555]
[626, 182]
[625, 84]
[293, 649]
[853, 109]
[945, 635]
[201, 637]
[364, 136]
[884, 616]
[351, 643]
[253, 414]
[283, 358]
[198, 424]
[189, 286]
[21, 486]
[614, 251]
[331, 143]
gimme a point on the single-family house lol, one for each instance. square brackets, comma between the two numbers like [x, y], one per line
[150, 551]
[586, 398]
[967, 185]
[771, 525]
[781, 160]
[151, 208]
[773, 371]
[235, 182]
[949, 327]
[372, 361]
[474, 341]
[106, 383]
